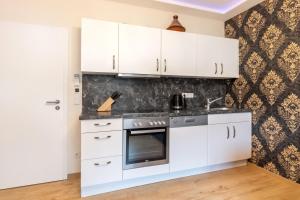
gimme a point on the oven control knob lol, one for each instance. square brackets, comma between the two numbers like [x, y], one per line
[135, 124]
[159, 122]
[155, 123]
[140, 124]
[151, 123]
[163, 122]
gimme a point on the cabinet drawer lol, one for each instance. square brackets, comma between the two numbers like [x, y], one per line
[100, 171]
[92, 126]
[103, 144]
[229, 118]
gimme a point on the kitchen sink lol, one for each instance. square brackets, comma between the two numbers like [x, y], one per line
[220, 109]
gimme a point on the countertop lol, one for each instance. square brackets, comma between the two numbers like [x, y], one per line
[170, 113]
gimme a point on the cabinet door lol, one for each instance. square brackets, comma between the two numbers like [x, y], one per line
[188, 148]
[178, 53]
[207, 58]
[139, 50]
[241, 140]
[219, 144]
[99, 46]
[228, 57]
[217, 57]
[101, 171]
[229, 142]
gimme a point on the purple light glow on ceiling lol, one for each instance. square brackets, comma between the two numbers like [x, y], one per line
[211, 6]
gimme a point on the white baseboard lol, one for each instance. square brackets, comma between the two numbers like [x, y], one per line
[99, 189]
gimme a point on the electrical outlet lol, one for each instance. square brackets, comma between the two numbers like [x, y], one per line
[188, 95]
[77, 155]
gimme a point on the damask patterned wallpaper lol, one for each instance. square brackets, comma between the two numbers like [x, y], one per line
[269, 84]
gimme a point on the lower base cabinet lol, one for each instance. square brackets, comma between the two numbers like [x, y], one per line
[99, 171]
[229, 142]
[188, 148]
[225, 142]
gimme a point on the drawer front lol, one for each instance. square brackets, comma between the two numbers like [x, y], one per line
[100, 171]
[229, 118]
[103, 144]
[92, 126]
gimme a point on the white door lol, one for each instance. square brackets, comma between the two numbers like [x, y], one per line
[188, 148]
[207, 57]
[228, 57]
[219, 144]
[99, 46]
[33, 61]
[241, 140]
[139, 50]
[178, 53]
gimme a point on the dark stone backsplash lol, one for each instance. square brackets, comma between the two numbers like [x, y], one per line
[146, 93]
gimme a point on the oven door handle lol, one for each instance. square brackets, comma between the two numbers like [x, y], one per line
[148, 131]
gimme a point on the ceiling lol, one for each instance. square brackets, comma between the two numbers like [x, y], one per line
[216, 9]
[217, 6]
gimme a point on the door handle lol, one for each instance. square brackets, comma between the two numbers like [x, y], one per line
[114, 62]
[53, 102]
[165, 65]
[157, 64]
[103, 164]
[103, 138]
[99, 125]
[222, 68]
[228, 133]
[234, 131]
[216, 65]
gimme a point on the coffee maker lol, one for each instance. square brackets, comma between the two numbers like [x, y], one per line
[178, 102]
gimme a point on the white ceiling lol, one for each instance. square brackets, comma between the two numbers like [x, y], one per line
[217, 6]
[215, 9]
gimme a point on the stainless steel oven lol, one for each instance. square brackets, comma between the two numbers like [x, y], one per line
[145, 142]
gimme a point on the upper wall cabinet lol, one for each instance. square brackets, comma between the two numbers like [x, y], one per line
[217, 57]
[108, 47]
[178, 53]
[99, 46]
[139, 50]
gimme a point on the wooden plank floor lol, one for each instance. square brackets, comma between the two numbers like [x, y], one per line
[243, 183]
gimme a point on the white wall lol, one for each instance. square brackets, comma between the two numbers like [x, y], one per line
[68, 13]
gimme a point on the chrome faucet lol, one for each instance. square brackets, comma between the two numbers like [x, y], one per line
[209, 102]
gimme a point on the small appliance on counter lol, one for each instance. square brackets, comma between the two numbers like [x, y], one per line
[178, 102]
[106, 106]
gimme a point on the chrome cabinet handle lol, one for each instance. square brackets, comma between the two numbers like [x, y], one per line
[114, 62]
[148, 131]
[98, 125]
[53, 102]
[157, 64]
[216, 65]
[228, 133]
[103, 138]
[222, 68]
[234, 131]
[165, 65]
[102, 165]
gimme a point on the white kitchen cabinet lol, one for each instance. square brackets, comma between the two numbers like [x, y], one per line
[99, 46]
[102, 144]
[100, 171]
[99, 125]
[101, 151]
[217, 57]
[188, 148]
[139, 50]
[228, 52]
[178, 53]
[229, 142]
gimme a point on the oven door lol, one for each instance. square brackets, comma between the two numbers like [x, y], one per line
[145, 147]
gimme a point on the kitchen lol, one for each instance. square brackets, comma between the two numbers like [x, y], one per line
[235, 100]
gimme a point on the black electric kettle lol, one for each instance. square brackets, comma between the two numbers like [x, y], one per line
[178, 102]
